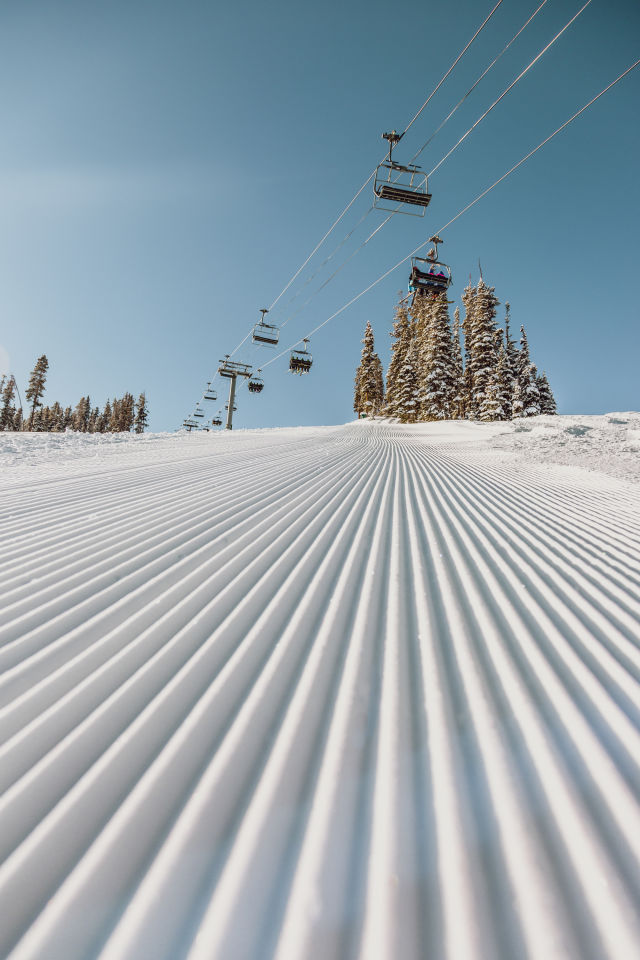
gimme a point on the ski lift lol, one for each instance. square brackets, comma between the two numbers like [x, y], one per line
[216, 421]
[265, 333]
[210, 393]
[399, 185]
[198, 412]
[300, 361]
[190, 424]
[428, 274]
[256, 383]
[231, 368]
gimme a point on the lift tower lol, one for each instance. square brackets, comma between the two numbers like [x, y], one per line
[231, 369]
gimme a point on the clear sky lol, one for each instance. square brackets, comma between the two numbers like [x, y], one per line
[167, 166]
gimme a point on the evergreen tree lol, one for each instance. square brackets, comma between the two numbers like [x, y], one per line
[81, 415]
[37, 382]
[368, 393]
[517, 406]
[483, 345]
[127, 413]
[357, 391]
[407, 403]
[57, 417]
[402, 334]
[458, 403]
[67, 418]
[496, 404]
[7, 411]
[104, 419]
[142, 414]
[18, 420]
[114, 419]
[93, 419]
[530, 392]
[437, 369]
[511, 349]
[547, 400]
[469, 301]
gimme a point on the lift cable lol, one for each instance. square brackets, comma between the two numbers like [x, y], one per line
[372, 174]
[464, 210]
[494, 61]
[510, 87]
[481, 77]
[455, 62]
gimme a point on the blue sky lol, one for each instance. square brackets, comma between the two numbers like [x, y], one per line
[166, 168]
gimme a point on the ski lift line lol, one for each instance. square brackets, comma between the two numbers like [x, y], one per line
[335, 272]
[481, 77]
[540, 145]
[328, 259]
[510, 87]
[464, 210]
[319, 244]
[372, 174]
[455, 62]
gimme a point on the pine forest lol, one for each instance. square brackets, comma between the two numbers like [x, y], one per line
[470, 369]
[120, 415]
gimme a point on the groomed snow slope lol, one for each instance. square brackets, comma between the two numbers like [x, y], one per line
[350, 692]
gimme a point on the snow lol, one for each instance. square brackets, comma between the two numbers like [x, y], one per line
[367, 691]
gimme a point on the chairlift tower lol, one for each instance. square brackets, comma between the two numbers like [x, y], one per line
[231, 370]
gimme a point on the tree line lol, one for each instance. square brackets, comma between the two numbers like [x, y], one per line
[122, 414]
[471, 370]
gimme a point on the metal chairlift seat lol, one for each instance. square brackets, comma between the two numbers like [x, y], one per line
[210, 393]
[300, 361]
[216, 421]
[198, 412]
[189, 424]
[396, 184]
[265, 333]
[434, 280]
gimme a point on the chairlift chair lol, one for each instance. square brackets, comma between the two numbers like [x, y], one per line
[300, 361]
[190, 425]
[265, 333]
[256, 383]
[210, 393]
[400, 185]
[216, 421]
[429, 276]
[198, 412]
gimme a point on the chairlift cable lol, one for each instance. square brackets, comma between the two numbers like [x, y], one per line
[455, 62]
[372, 174]
[510, 87]
[461, 212]
[481, 77]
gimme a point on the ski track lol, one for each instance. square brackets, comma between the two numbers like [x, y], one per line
[331, 693]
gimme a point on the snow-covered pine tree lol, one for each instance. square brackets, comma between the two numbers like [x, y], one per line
[547, 399]
[56, 417]
[496, 404]
[458, 403]
[114, 419]
[437, 372]
[530, 393]
[104, 419]
[517, 406]
[7, 411]
[93, 420]
[483, 346]
[67, 418]
[142, 413]
[402, 333]
[18, 420]
[81, 414]
[357, 392]
[127, 414]
[407, 403]
[368, 387]
[469, 301]
[511, 370]
[37, 381]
